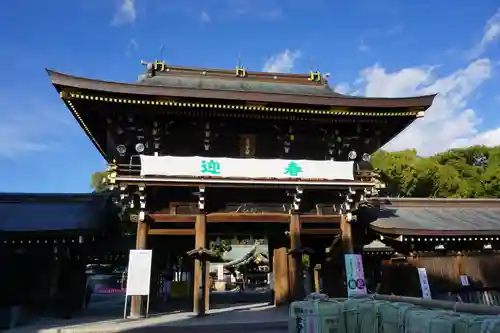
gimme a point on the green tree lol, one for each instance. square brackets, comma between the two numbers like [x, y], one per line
[472, 172]
[219, 248]
[98, 181]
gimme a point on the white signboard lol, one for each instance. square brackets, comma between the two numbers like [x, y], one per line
[205, 167]
[464, 280]
[139, 272]
[424, 283]
[355, 276]
[220, 272]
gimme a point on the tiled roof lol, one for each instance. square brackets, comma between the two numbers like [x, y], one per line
[438, 220]
[240, 85]
[51, 212]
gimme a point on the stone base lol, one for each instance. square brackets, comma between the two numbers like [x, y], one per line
[136, 316]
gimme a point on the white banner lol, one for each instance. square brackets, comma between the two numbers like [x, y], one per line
[355, 275]
[424, 283]
[139, 272]
[174, 166]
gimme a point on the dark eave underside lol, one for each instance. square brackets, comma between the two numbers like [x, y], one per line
[440, 217]
[62, 81]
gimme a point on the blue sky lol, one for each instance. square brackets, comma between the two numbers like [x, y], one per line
[386, 48]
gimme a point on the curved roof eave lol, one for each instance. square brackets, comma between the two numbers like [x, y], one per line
[433, 233]
[250, 254]
[64, 80]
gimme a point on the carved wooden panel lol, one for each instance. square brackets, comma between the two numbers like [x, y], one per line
[255, 208]
[247, 145]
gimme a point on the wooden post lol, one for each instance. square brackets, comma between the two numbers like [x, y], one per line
[206, 287]
[346, 229]
[280, 272]
[137, 304]
[270, 251]
[295, 260]
[316, 260]
[317, 285]
[347, 248]
[199, 277]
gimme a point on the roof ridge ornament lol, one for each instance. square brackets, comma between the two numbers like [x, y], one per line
[241, 71]
[156, 66]
[315, 76]
[160, 66]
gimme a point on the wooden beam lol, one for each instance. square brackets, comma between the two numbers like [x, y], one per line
[172, 232]
[269, 218]
[172, 218]
[237, 217]
[126, 180]
[242, 218]
[319, 218]
[320, 231]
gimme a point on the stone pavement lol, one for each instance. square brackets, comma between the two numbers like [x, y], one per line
[261, 317]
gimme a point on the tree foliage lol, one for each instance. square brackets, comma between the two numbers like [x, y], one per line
[219, 248]
[472, 172]
[98, 181]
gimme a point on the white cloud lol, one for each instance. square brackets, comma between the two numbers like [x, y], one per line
[28, 127]
[490, 35]
[449, 122]
[362, 47]
[125, 14]
[282, 62]
[132, 47]
[342, 88]
[14, 140]
[204, 17]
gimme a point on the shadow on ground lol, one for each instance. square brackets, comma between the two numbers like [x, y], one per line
[229, 312]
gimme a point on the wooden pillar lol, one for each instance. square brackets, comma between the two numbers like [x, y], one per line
[346, 229]
[316, 260]
[199, 276]
[295, 260]
[270, 276]
[138, 303]
[206, 287]
[347, 248]
[316, 280]
[280, 273]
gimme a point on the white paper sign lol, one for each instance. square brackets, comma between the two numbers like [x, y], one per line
[220, 272]
[355, 275]
[139, 272]
[464, 280]
[245, 168]
[424, 283]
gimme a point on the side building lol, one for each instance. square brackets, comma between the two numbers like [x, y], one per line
[46, 241]
[453, 239]
[197, 154]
